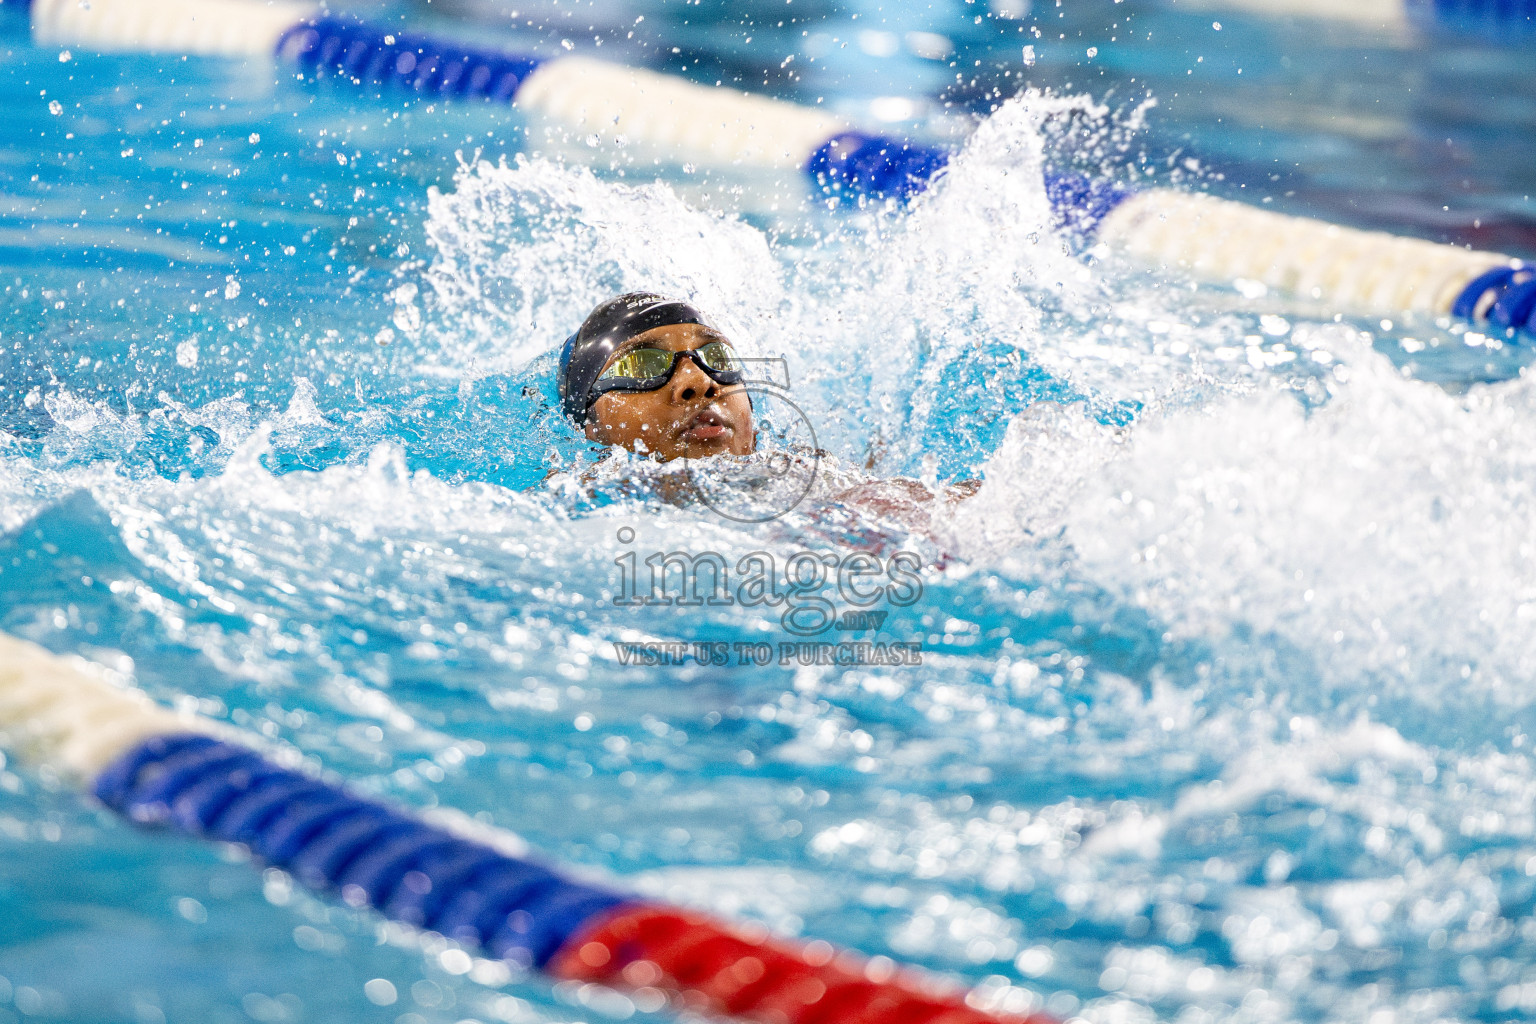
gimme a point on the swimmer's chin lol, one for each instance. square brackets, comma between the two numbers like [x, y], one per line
[699, 441]
[706, 445]
[685, 448]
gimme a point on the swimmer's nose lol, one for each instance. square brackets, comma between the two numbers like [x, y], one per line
[690, 383]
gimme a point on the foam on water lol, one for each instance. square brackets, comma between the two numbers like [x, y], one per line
[1381, 539]
[1223, 713]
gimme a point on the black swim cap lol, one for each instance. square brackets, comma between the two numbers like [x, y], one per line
[606, 328]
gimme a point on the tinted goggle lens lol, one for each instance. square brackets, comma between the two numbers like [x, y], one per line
[649, 363]
[720, 357]
[639, 364]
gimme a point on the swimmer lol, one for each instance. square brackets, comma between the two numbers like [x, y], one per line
[654, 376]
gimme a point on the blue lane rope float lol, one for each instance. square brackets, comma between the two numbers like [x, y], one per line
[370, 854]
[174, 770]
[861, 164]
[1504, 296]
[1342, 269]
[333, 46]
[1497, 17]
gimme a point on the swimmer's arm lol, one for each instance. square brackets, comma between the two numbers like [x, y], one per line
[905, 499]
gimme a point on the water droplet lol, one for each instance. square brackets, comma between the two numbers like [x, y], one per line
[407, 318]
[380, 992]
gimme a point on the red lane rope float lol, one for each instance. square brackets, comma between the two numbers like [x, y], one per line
[712, 967]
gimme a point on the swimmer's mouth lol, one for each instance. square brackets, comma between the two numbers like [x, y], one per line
[706, 425]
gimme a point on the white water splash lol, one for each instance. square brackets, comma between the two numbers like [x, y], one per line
[1387, 533]
[525, 250]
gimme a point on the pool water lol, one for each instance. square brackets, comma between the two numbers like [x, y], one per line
[1224, 711]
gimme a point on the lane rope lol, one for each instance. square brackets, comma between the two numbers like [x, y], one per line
[1345, 269]
[179, 771]
[1359, 271]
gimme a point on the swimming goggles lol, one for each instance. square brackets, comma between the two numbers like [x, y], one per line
[647, 369]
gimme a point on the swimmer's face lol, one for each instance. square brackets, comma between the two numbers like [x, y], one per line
[690, 416]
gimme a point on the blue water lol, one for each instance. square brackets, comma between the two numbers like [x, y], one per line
[1225, 705]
